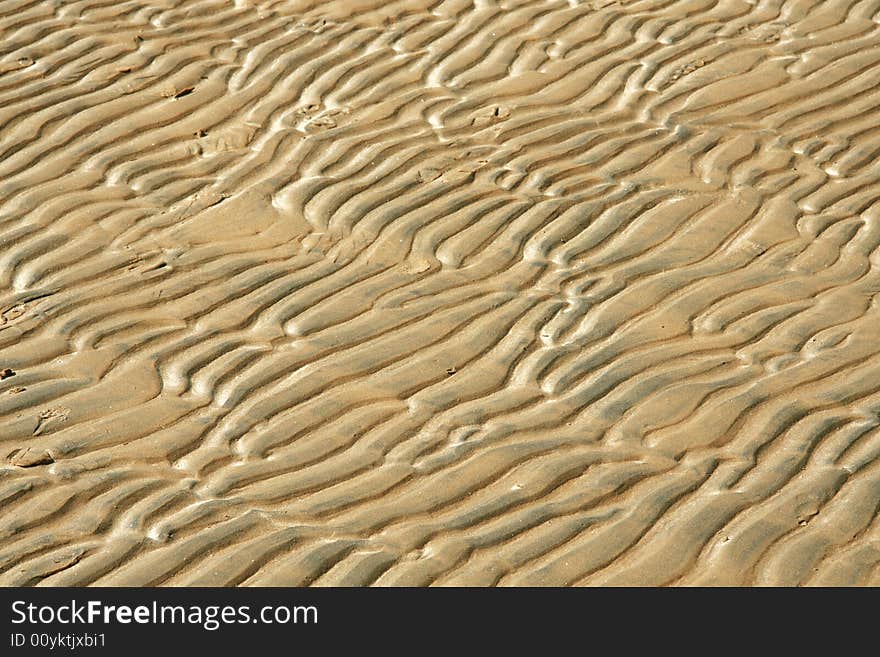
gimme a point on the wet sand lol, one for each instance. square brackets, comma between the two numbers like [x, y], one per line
[440, 292]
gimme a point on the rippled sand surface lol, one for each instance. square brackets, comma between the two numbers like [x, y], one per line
[453, 292]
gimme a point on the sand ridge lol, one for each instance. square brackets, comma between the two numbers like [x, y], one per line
[439, 292]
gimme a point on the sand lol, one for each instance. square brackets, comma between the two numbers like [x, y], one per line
[439, 292]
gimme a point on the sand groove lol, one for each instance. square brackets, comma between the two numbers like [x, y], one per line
[357, 292]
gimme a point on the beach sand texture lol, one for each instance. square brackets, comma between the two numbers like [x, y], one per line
[439, 292]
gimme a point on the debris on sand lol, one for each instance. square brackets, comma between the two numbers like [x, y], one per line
[29, 457]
